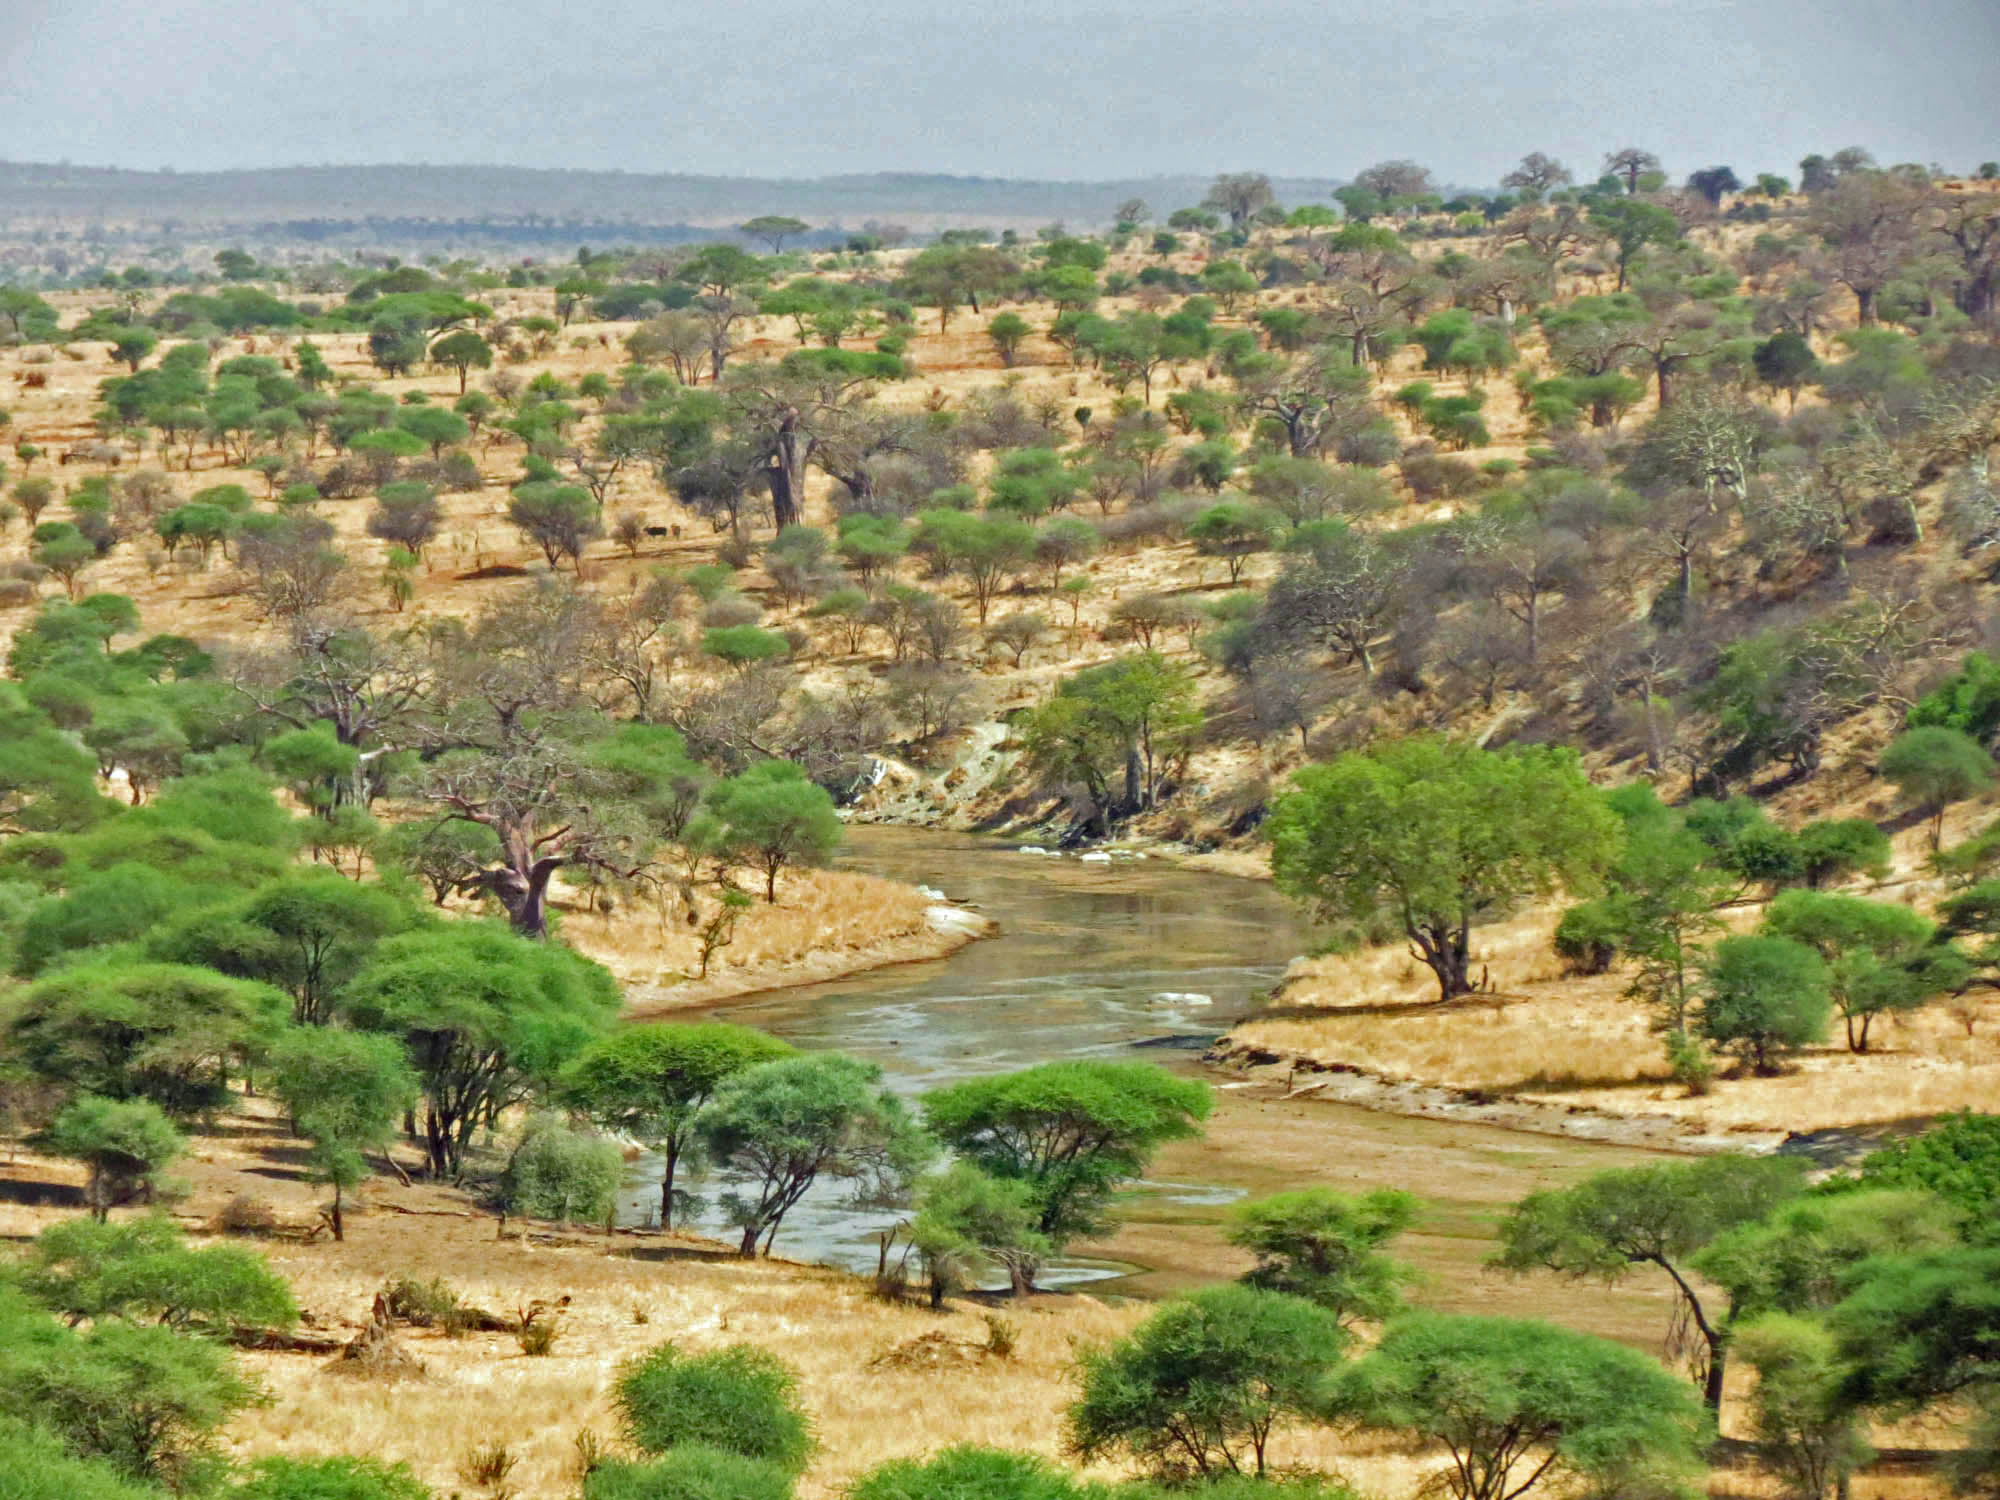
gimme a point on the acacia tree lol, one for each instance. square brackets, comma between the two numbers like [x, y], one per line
[650, 1083]
[1137, 714]
[1072, 1130]
[484, 1016]
[1326, 1247]
[345, 1089]
[773, 229]
[782, 1125]
[1518, 1402]
[1204, 1382]
[1658, 1216]
[1439, 834]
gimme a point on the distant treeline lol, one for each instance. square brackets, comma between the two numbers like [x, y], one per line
[510, 196]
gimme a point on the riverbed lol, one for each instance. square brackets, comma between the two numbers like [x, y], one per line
[1138, 958]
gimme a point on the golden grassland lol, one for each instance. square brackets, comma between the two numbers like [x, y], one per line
[825, 924]
[881, 1380]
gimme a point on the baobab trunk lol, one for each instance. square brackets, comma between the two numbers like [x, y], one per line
[787, 473]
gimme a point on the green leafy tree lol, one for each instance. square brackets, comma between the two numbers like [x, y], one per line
[38, 1466]
[1007, 332]
[1629, 225]
[306, 933]
[124, 1145]
[1804, 1425]
[560, 519]
[345, 1090]
[1235, 532]
[1202, 1385]
[1326, 1246]
[568, 1175]
[435, 425]
[772, 816]
[1800, 1256]
[743, 646]
[464, 351]
[484, 1015]
[1880, 958]
[1518, 1403]
[984, 550]
[164, 1033]
[1073, 1130]
[1136, 715]
[1763, 998]
[1957, 1159]
[147, 1401]
[1657, 1216]
[1785, 362]
[650, 1083]
[1935, 766]
[784, 1124]
[1923, 1330]
[967, 1219]
[1441, 833]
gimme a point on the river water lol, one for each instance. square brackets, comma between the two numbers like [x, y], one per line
[1131, 959]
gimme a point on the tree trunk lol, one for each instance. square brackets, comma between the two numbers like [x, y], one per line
[787, 473]
[1864, 304]
[1447, 949]
[339, 1227]
[747, 1246]
[673, 1154]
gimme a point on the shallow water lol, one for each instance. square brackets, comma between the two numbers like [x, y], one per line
[1091, 959]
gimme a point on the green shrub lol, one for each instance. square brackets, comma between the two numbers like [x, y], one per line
[330, 1479]
[564, 1174]
[1586, 937]
[964, 1472]
[690, 1473]
[741, 1400]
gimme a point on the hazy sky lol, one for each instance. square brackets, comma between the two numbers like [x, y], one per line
[1006, 88]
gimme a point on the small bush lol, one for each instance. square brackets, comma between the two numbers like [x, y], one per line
[540, 1329]
[563, 1174]
[330, 1479]
[426, 1304]
[488, 1467]
[1586, 939]
[741, 1400]
[692, 1473]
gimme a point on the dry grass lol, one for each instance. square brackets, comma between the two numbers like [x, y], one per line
[825, 924]
[480, 1388]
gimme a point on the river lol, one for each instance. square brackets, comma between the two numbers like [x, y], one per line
[1100, 960]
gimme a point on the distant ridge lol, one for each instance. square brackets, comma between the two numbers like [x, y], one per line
[272, 198]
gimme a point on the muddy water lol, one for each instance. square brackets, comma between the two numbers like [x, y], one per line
[1134, 959]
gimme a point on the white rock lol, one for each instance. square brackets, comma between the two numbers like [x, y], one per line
[1182, 997]
[1031, 849]
[1097, 857]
